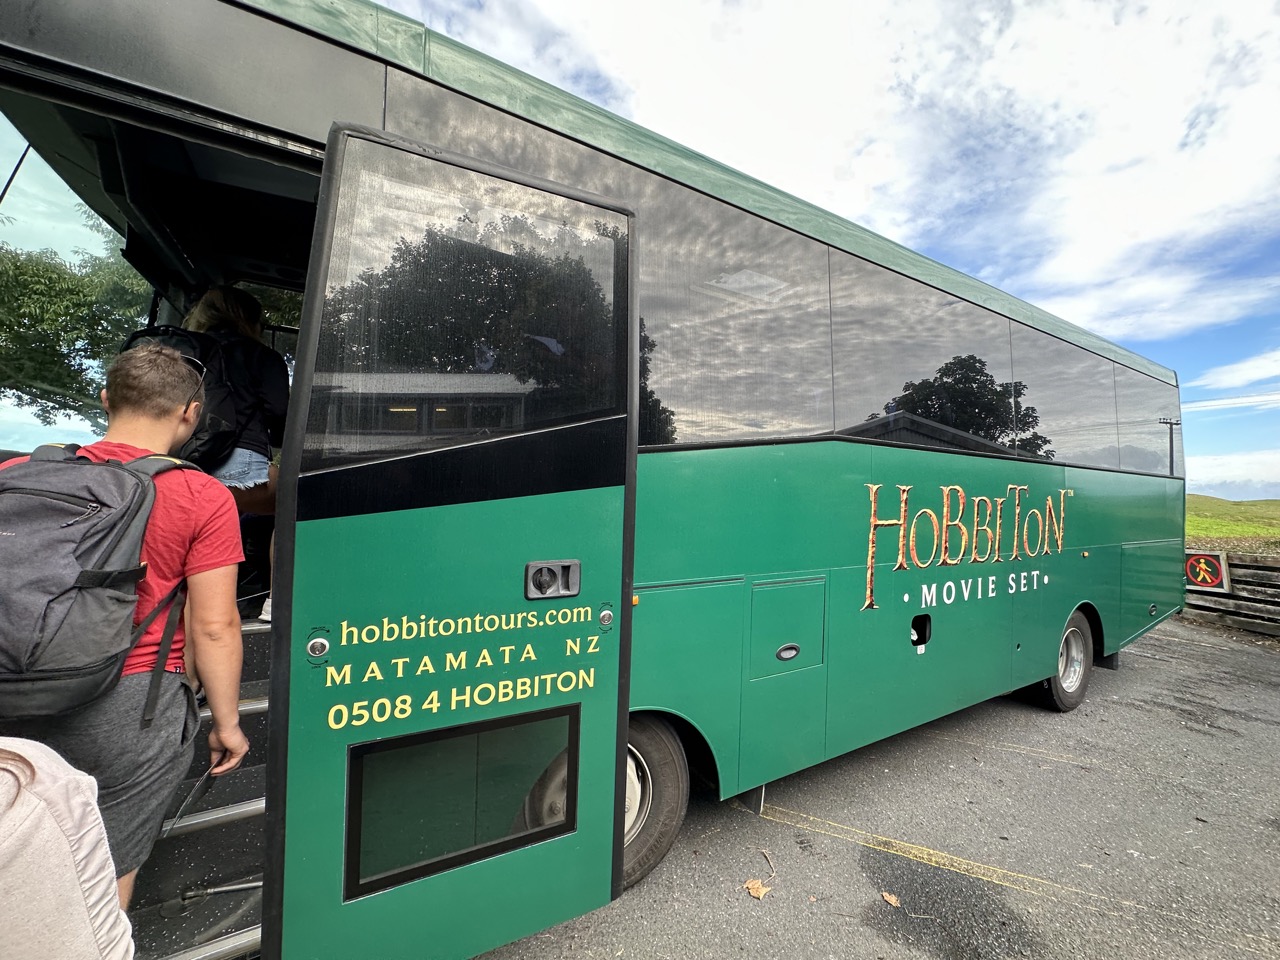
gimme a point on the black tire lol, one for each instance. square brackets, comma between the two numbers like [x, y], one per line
[1065, 690]
[657, 791]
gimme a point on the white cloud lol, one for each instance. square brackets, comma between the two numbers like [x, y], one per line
[1264, 366]
[1081, 154]
[1238, 489]
[1256, 401]
[1237, 476]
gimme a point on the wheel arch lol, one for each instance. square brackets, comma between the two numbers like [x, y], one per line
[1095, 628]
[703, 764]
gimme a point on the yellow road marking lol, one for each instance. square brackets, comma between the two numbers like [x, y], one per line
[1016, 748]
[1037, 886]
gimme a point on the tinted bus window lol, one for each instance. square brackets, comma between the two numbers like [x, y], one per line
[461, 309]
[915, 365]
[1070, 399]
[738, 310]
[1144, 440]
[733, 309]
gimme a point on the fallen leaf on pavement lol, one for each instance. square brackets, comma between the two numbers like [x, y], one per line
[756, 888]
[891, 900]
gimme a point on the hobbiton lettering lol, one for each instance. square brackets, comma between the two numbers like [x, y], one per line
[522, 688]
[988, 534]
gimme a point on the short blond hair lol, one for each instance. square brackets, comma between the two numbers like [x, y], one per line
[153, 380]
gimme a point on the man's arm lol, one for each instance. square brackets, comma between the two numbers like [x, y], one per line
[213, 630]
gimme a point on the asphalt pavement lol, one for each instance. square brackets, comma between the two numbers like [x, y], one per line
[1145, 824]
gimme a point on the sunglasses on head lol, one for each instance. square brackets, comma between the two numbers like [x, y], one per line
[199, 368]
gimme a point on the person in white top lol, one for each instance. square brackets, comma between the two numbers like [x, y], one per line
[58, 897]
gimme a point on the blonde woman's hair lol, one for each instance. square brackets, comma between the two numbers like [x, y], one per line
[226, 309]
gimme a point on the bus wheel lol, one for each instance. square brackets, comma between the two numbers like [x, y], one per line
[657, 795]
[1065, 689]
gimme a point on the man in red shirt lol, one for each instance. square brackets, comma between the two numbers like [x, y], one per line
[153, 398]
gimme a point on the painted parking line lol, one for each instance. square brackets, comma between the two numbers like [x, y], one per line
[1036, 886]
[1018, 748]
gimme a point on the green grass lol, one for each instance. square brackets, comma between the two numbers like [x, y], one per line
[1209, 518]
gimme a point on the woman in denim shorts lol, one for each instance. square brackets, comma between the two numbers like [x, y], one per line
[259, 381]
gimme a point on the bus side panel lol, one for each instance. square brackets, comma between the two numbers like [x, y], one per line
[1133, 531]
[770, 522]
[1153, 572]
[430, 629]
[925, 629]
[687, 642]
[987, 557]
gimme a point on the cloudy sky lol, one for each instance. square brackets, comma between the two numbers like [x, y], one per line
[1117, 163]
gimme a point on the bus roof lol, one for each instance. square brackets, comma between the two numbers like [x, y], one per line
[404, 42]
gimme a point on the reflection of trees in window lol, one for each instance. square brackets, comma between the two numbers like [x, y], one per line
[657, 421]
[488, 298]
[964, 396]
[60, 322]
[450, 304]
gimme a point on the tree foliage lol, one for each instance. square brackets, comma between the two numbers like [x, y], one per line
[964, 395]
[60, 322]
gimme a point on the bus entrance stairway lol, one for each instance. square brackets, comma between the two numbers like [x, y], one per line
[199, 896]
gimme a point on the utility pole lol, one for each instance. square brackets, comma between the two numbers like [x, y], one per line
[1170, 423]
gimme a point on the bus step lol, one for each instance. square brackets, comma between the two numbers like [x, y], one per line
[205, 849]
[207, 819]
[253, 700]
[241, 944]
[257, 651]
[202, 928]
[188, 898]
[253, 721]
[247, 783]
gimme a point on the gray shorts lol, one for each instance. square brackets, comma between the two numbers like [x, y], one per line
[137, 767]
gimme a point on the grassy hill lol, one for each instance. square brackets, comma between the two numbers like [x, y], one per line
[1247, 526]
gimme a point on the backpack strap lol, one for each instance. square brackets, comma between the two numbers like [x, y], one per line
[56, 451]
[110, 578]
[149, 466]
[152, 466]
[175, 599]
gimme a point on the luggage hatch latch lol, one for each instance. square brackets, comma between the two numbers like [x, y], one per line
[544, 579]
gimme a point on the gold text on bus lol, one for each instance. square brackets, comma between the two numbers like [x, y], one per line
[955, 540]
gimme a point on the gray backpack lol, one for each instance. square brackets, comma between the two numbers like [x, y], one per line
[70, 538]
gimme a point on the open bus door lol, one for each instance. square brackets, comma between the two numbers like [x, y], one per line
[452, 599]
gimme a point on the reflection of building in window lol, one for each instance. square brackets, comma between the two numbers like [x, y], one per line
[903, 427]
[399, 405]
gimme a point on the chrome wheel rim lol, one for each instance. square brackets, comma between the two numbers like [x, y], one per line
[1071, 660]
[547, 805]
[639, 798]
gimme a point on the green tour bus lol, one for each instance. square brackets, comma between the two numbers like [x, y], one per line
[597, 449]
